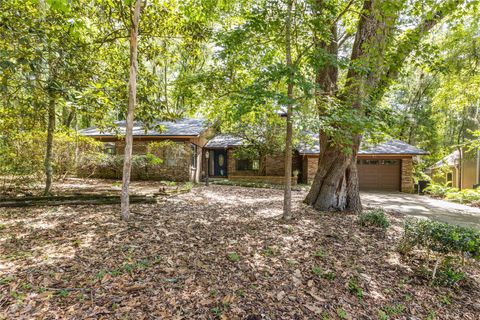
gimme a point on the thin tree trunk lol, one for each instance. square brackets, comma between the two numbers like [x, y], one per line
[287, 198]
[132, 95]
[49, 151]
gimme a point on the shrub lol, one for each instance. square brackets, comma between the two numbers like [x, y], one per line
[374, 218]
[442, 238]
[22, 155]
[453, 194]
[464, 196]
[439, 190]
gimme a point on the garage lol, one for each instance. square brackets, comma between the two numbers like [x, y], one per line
[387, 166]
[379, 174]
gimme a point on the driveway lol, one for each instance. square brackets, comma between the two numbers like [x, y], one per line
[424, 207]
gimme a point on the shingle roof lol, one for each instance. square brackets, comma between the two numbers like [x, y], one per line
[448, 160]
[224, 141]
[393, 147]
[182, 127]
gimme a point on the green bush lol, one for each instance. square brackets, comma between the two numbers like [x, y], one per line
[442, 238]
[464, 196]
[439, 190]
[453, 194]
[374, 218]
[22, 155]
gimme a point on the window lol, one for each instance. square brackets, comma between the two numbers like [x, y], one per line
[194, 155]
[109, 148]
[449, 177]
[389, 162]
[377, 162]
[247, 164]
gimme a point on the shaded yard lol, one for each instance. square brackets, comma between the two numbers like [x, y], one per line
[217, 252]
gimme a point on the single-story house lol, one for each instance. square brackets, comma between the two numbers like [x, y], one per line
[461, 168]
[189, 133]
[387, 166]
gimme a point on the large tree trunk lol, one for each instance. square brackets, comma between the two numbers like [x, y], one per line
[132, 96]
[335, 186]
[287, 197]
[49, 152]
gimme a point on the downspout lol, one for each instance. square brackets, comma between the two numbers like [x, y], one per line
[478, 167]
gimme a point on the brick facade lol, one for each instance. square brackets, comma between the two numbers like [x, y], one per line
[178, 169]
[274, 166]
[407, 175]
[310, 165]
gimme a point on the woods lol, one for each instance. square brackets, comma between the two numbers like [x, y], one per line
[324, 91]
[239, 159]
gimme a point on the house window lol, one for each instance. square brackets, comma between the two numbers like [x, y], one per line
[449, 177]
[194, 155]
[389, 162]
[109, 148]
[247, 164]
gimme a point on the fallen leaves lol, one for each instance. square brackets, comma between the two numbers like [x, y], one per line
[208, 254]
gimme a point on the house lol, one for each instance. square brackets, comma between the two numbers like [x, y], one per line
[387, 166]
[181, 164]
[461, 169]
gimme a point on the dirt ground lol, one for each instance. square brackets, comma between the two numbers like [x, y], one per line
[217, 252]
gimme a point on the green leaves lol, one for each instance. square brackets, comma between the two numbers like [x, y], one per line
[441, 237]
[61, 6]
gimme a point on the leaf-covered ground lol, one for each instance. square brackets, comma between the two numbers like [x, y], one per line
[216, 252]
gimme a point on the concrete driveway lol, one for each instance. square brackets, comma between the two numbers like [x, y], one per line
[424, 206]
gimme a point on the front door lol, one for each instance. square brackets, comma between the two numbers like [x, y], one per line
[220, 163]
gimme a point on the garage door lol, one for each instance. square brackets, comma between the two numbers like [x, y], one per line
[376, 174]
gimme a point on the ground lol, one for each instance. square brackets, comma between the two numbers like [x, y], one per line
[424, 207]
[216, 252]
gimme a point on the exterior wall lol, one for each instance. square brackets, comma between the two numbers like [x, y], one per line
[310, 168]
[182, 170]
[469, 173]
[274, 168]
[407, 176]
[274, 165]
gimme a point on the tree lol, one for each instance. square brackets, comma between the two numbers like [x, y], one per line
[378, 52]
[287, 197]
[132, 96]
[264, 51]
[47, 62]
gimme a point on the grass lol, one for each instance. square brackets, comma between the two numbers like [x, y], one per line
[233, 257]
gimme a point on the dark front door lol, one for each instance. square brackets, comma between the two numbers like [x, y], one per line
[220, 163]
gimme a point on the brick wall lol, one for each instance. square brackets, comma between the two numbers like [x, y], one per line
[274, 165]
[176, 165]
[407, 175]
[310, 168]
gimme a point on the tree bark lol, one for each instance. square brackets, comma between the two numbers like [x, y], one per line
[287, 197]
[335, 186]
[49, 152]
[132, 96]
